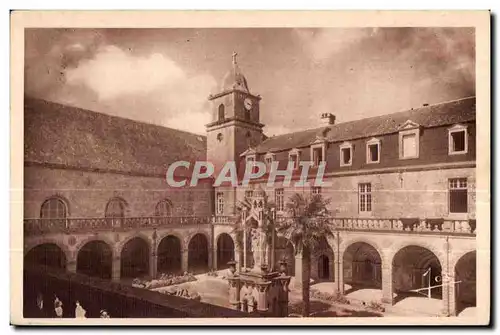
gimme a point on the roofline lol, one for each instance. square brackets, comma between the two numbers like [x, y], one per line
[26, 97]
[225, 92]
[360, 137]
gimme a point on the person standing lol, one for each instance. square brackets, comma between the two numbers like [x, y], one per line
[79, 311]
[58, 307]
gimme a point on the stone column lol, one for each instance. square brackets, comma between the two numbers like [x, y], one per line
[234, 291]
[445, 309]
[387, 285]
[262, 289]
[71, 266]
[153, 265]
[211, 258]
[452, 292]
[115, 268]
[184, 260]
[298, 271]
[339, 274]
[283, 282]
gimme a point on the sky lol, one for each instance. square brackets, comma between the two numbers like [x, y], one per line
[164, 76]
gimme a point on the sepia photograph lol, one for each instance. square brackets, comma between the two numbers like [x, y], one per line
[244, 168]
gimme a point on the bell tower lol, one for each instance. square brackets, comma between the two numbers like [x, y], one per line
[235, 125]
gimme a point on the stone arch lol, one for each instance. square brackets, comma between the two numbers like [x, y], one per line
[198, 249]
[181, 238]
[134, 257]
[104, 238]
[225, 250]
[47, 240]
[465, 274]
[95, 258]
[362, 265]
[47, 254]
[119, 246]
[384, 255]
[169, 253]
[415, 268]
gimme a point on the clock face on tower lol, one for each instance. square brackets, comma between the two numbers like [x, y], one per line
[248, 103]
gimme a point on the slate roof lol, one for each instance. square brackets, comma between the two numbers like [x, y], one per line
[447, 113]
[59, 134]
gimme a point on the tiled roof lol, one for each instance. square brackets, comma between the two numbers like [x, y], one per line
[59, 134]
[447, 113]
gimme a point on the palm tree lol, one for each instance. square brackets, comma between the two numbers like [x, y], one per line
[305, 223]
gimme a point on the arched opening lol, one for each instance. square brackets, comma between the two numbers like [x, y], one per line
[95, 259]
[54, 212]
[134, 258]
[163, 211]
[198, 254]
[285, 251]
[362, 266]
[324, 267]
[47, 254]
[115, 212]
[416, 271]
[225, 250]
[465, 275]
[221, 112]
[169, 255]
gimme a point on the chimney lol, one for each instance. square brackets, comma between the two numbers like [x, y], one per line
[327, 118]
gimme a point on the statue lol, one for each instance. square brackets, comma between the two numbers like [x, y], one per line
[259, 247]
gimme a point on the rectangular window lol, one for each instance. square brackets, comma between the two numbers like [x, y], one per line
[457, 141]
[458, 195]
[345, 156]
[316, 190]
[409, 143]
[317, 156]
[220, 203]
[373, 153]
[365, 197]
[279, 199]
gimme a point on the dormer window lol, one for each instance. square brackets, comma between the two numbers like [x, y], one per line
[373, 151]
[457, 140]
[409, 138]
[317, 154]
[269, 158]
[294, 156]
[346, 154]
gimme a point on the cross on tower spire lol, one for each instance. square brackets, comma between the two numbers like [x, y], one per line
[234, 57]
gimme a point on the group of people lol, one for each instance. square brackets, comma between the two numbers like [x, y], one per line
[80, 312]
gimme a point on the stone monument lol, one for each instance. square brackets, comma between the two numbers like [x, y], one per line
[262, 288]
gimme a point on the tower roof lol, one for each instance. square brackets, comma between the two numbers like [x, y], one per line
[234, 79]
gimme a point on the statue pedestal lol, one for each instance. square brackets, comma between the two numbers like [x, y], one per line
[265, 293]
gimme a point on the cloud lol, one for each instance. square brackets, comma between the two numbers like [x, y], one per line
[193, 122]
[276, 130]
[323, 43]
[151, 88]
[112, 73]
